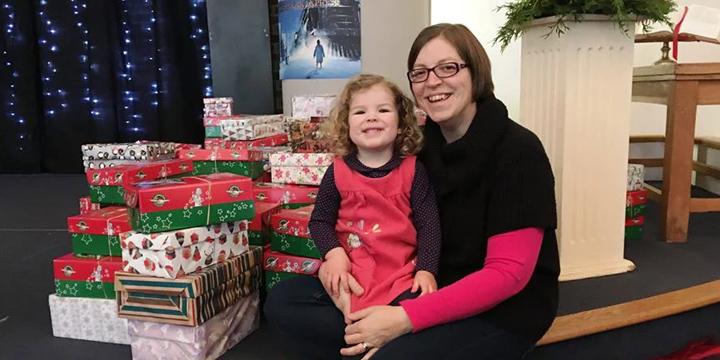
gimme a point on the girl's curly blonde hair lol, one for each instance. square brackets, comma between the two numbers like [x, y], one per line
[409, 139]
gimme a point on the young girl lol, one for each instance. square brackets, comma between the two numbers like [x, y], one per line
[375, 219]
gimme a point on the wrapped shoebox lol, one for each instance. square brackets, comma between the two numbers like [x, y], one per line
[279, 262]
[635, 177]
[285, 194]
[308, 137]
[106, 184]
[86, 205]
[252, 127]
[176, 253]
[102, 164]
[213, 132]
[140, 150]
[635, 203]
[87, 276]
[300, 169]
[87, 319]
[156, 341]
[170, 204]
[259, 226]
[189, 300]
[290, 233]
[312, 105]
[274, 140]
[272, 278]
[218, 106]
[634, 228]
[98, 232]
[210, 161]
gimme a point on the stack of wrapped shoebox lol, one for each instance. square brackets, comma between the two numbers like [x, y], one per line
[190, 279]
[636, 199]
[83, 306]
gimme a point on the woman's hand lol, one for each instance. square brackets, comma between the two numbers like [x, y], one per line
[334, 273]
[425, 281]
[374, 327]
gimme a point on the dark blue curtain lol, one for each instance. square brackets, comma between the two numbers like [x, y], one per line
[82, 71]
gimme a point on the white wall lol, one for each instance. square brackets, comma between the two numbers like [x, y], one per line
[388, 29]
[483, 21]
[480, 17]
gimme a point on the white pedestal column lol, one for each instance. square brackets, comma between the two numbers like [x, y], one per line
[575, 95]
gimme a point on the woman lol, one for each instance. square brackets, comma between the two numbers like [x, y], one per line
[495, 192]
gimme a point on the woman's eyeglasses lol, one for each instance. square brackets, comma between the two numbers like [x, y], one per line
[444, 70]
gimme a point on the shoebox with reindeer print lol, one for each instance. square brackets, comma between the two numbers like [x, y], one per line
[86, 276]
[176, 253]
[171, 204]
[290, 232]
[210, 161]
[290, 196]
[191, 299]
[106, 184]
[97, 232]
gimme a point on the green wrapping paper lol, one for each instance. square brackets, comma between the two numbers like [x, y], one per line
[192, 299]
[257, 238]
[91, 244]
[633, 232]
[251, 169]
[192, 217]
[633, 211]
[107, 195]
[294, 245]
[272, 278]
[213, 132]
[85, 289]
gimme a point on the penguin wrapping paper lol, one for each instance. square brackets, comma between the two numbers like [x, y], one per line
[171, 204]
[140, 150]
[193, 299]
[176, 253]
[154, 341]
[87, 319]
[86, 276]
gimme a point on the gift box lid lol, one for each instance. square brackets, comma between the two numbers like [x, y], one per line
[635, 221]
[304, 159]
[279, 262]
[284, 193]
[188, 192]
[292, 221]
[263, 211]
[272, 140]
[637, 197]
[86, 268]
[193, 285]
[111, 220]
[127, 174]
[249, 120]
[169, 241]
[220, 155]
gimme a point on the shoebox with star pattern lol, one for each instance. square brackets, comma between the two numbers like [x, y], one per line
[106, 184]
[290, 232]
[635, 202]
[279, 267]
[176, 253]
[98, 232]
[210, 161]
[192, 299]
[86, 276]
[259, 226]
[171, 204]
[290, 196]
[299, 169]
[87, 319]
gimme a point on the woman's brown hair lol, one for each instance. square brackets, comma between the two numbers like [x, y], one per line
[469, 49]
[409, 138]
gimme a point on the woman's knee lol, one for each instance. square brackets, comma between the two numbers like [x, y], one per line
[287, 296]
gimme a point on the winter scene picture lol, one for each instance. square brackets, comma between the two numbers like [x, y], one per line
[319, 39]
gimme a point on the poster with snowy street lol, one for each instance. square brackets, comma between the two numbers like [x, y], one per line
[319, 39]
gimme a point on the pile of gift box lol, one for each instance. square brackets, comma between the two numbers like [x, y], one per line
[176, 242]
[635, 201]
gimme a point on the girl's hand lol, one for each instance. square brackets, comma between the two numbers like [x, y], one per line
[335, 275]
[425, 281]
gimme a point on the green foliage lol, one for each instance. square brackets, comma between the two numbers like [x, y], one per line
[521, 13]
